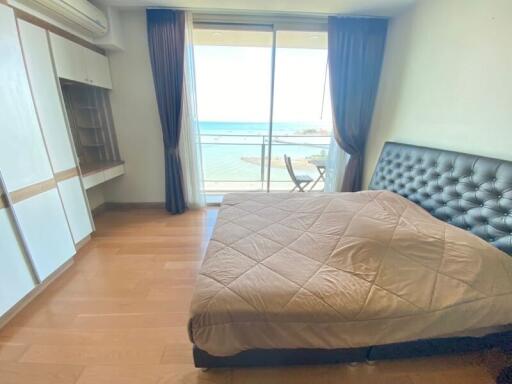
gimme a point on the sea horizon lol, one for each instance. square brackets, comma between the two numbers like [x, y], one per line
[210, 127]
[238, 159]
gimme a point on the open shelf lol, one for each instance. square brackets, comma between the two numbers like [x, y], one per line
[92, 127]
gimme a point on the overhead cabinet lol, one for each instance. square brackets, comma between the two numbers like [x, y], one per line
[77, 63]
[98, 70]
[69, 59]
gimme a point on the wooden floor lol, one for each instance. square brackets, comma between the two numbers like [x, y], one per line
[119, 315]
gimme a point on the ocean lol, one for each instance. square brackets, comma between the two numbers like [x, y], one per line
[255, 128]
[233, 151]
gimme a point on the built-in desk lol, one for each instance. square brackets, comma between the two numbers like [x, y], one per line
[97, 173]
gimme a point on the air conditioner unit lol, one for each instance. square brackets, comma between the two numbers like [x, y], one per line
[80, 12]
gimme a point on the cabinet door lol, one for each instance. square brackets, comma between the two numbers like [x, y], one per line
[69, 59]
[23, 158]
[24, 162]
[53, 124]
[15, 278]
[76, 208]
[45, 229]
[98, 70]
[46, 96]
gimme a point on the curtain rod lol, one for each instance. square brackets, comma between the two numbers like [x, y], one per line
[261, 21]
[242, 25]
[297, 16]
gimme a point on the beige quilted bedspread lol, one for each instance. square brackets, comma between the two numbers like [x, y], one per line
[339, 271]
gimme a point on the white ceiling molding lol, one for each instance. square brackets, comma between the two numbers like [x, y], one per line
[282, 22]
[384, 8]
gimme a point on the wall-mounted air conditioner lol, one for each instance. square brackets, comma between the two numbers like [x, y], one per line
[80, 12]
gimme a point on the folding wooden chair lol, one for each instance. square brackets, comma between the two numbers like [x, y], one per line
[300, 181]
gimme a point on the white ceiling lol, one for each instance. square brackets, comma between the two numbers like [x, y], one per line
[307, 7]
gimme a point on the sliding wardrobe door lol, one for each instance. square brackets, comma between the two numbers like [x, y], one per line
[43, 224]
[46, 95]
[27, 174]
[43, 80]
[15, 276]
[23, 158]
[76, 208]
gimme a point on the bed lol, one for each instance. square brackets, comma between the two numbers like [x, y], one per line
[417, 265]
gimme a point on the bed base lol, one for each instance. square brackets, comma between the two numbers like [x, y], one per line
[419, 348]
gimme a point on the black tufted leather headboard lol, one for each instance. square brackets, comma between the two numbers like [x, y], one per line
[468, 191]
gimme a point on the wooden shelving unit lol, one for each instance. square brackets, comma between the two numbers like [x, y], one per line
[91, 123]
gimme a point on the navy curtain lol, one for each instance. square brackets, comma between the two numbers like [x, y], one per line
[166, 38]
[356, 48]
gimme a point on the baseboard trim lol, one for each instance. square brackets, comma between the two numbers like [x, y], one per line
[82, 242]
[100, 209]
[38, 289]
[123, 206]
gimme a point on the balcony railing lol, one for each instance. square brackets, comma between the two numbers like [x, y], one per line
[240, 162]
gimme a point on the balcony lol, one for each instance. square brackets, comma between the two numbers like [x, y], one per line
[234, 163]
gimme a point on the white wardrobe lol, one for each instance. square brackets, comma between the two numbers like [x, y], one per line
[52, 118]
[44, 211]
[15, 269]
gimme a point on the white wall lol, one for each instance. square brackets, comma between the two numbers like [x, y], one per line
[447, 79]
[113, 40]
[136, 117]
[446, 82]
[96, 196]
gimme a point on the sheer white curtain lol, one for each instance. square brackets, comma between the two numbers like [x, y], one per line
[336, 157]
[334, 167]
[190, 139]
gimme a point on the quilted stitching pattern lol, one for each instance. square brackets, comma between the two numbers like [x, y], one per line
[339, 258]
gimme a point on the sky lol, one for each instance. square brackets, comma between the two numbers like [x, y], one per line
[233, 84]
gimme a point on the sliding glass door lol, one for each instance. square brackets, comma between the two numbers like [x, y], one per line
[233, 71]
[261, 94]
[301, 121]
